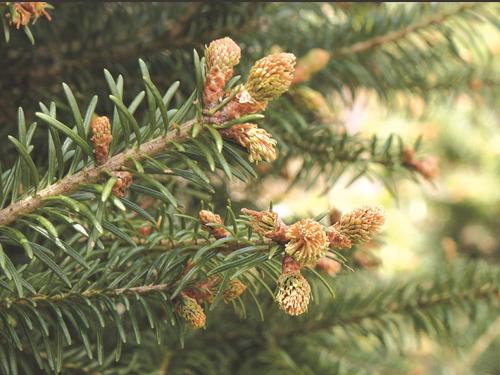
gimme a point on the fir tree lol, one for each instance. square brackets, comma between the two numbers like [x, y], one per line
[122, 250]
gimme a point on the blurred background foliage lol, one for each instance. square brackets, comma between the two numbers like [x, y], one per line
[431, 224]
[457, 216]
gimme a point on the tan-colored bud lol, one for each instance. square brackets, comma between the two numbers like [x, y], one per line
[359, 225]
[213, 224]
[258, 142]
[220, 57]
[235, 289]
[101, 138]
[328, 265]
[314, 61]
[307, 243]
[266, 223]
[271, 76]
[122, 184]
[189, 310]
[222, 54]
[293, 293]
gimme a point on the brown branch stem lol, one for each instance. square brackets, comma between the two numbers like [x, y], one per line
[93, 174]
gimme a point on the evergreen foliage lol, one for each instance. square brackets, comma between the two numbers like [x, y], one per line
[118, 235]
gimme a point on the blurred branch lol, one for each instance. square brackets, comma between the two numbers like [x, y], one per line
[393, 36]
[143, 289]
[481, 345]
[474, 294]
[176, 35]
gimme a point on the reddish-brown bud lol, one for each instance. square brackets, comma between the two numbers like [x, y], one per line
[145, 230]
[213, 224]
[101, 138]
[122, 184]
[267, 224]
[220, 57]
[329, 266]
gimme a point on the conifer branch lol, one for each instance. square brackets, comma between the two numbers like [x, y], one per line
[127, 257]
[92, 175]
[477, 293]
[142, 289]
[393, 36]
[176, 34]
[168, 245]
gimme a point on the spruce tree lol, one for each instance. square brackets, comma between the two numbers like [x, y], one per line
[123, 249]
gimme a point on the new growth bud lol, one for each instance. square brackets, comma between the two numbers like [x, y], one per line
[220, 57]
[222, 54]
[189, 310]
[266, 223]
[122, 184]
[307, 243]
[356, 227]
[293, 293]
[213, 224]
[101, 138]
[271, 76]
[235, 289]
[258, 142]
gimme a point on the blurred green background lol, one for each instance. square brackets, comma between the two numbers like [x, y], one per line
[432, 223]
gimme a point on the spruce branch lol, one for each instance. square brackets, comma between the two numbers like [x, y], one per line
[94, 174]
[422, 303]
[176, 33]
[394, 36]
[142, 290]
[127, 259]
